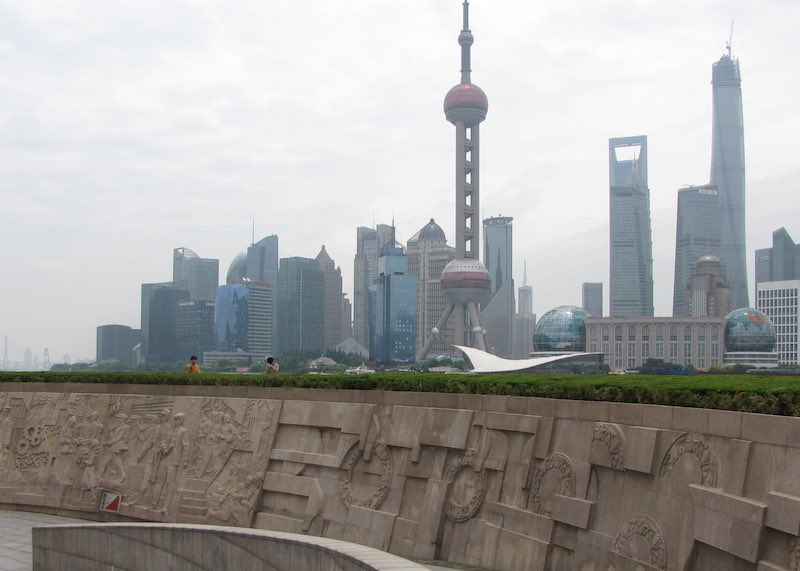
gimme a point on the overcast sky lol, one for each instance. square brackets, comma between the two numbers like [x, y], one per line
[130, 128]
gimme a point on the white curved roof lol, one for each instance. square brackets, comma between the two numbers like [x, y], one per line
[483, 362]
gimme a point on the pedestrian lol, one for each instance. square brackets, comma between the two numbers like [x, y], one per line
[192, 367]
[272, 365]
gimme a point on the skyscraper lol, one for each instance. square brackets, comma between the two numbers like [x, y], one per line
[524, 320]
[780, 302]
[631, 246]
[301, 296]
[497, 250]
[497, 314]
[697, 235]
[592, 295]
[465, 280]
[194, 327]
[158, 320]
[393, 310]
[781, 262]
[428, 254]
[201, 274]
[707, 293]
[369, 243]
[115, 343]
[727, 172]
[333, 299]
[262, 260]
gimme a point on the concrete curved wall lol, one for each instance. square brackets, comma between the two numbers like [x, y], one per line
[499, 482]
[178, 547]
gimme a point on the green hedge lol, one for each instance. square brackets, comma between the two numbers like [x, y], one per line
[747, 393]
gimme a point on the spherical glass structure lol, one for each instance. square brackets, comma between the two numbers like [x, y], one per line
[748, 329]
[561, 329]
[238, 269]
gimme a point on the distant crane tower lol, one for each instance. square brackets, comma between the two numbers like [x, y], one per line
[46, 360]
[729, 43]
[5, 356]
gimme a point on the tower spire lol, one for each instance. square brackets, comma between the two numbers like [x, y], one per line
[465, 39]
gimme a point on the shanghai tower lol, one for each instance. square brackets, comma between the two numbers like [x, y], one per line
[727, 172]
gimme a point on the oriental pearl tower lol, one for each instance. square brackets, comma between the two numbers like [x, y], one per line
[465, 281]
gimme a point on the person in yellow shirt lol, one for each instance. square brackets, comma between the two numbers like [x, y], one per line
[193, 367]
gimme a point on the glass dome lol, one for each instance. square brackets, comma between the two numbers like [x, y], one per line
[561, 329]
[748, 329]
[238, 269]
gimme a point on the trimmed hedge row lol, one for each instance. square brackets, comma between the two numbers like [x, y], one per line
[746, 393]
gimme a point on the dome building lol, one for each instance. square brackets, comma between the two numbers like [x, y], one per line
[750, 339]
[561, 330]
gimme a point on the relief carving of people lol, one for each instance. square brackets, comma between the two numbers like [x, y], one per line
[116, 443]
[6, 431]
[63, 460]
[88, 445]
[150, 455]
[233, 503]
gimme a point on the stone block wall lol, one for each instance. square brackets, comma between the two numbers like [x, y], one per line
[498, 482]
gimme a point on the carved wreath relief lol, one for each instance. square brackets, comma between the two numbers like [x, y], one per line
[643, 527]
[560, 465]
[384, 455]
[475, 484]
[695, 445]
[610, 437]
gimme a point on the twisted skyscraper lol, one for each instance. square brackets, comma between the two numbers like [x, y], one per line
[727, 172]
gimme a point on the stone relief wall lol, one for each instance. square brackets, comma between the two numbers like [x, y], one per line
[561, 486]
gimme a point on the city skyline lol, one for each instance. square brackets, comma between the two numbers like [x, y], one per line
[138, 132]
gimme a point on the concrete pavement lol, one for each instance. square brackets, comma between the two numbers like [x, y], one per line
[15, 538]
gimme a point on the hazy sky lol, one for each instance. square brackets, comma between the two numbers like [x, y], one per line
[130, 128]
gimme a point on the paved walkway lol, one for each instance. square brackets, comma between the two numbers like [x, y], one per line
[15, 538]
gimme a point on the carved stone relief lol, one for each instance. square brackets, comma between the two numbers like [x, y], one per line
[642, 529]
[351, 459]
[695, 445]
[793, 561]
[610, 436]
[467, 482]
[558, 465]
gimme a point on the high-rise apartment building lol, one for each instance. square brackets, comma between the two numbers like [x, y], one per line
[497, 313]
[333, 299]
[243, 318]
[708, 293]
[393, 310]
[115, 344]
[727, 172]
[428, 254]
[781, 262]
[159, 301]
[497, 250]
[697, 235]
[194, 327]
[369, 243]
[780, 302]
[347, 319]
[301, 297]
[524, 320]
[631, 246]
[231, 318]
[201, 274]
[592, 296]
